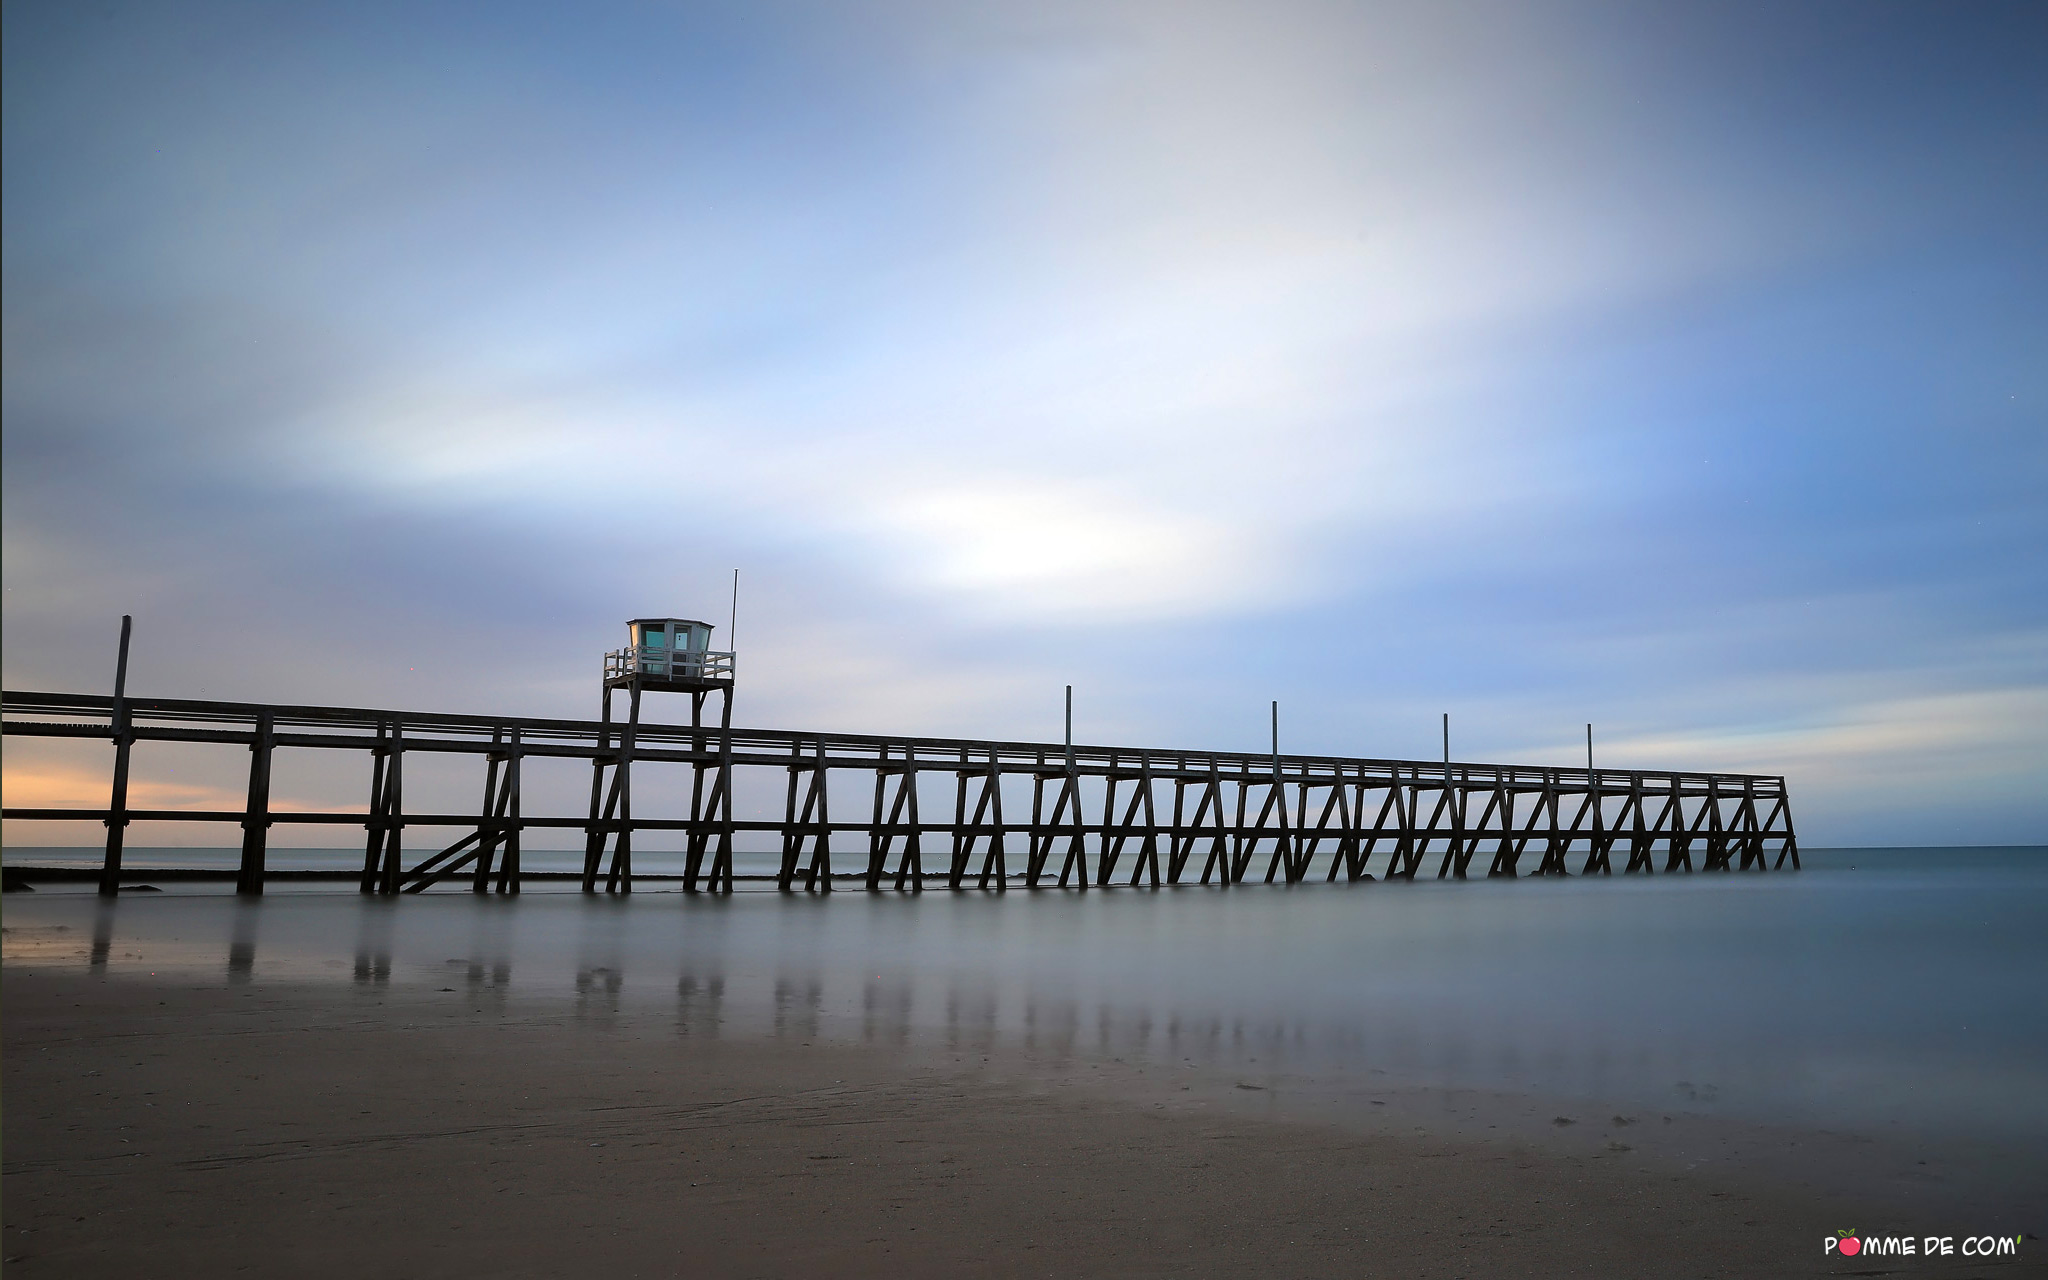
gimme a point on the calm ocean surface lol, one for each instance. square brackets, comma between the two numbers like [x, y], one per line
[1891, 992]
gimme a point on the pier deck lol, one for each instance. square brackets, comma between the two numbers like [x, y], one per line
[1096, 815]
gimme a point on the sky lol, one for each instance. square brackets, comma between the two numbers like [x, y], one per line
[1680, 369]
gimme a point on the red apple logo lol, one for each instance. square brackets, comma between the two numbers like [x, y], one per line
[1850, 1245]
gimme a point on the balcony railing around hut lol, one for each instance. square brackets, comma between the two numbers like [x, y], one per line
[653, 662]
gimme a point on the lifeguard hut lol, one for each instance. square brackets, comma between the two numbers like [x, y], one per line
[662, 655]
[669, 654]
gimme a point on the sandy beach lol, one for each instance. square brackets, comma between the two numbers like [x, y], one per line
[172, 1126]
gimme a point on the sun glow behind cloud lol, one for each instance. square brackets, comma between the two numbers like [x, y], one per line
[1159, 334]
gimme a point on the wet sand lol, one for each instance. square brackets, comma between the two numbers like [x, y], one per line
[164, 1126]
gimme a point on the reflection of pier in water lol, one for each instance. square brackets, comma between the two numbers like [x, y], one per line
[102, 934]
[1049, 1017]
[242, 943]
[940, 811]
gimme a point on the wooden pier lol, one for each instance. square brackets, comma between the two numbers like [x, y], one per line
[1096, 816]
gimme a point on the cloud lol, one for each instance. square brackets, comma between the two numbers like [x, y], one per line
[1206, 286]
[1421, 356]
[1952, 768]
[1933, 740]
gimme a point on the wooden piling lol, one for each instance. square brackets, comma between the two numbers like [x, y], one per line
[256, 821]
[124, 740]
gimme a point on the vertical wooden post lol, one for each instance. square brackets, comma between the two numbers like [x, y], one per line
[1638, 843]
[878, 843]
[1150, 851]
[1749, 837]
[1459, 794]
[117, 803]
[792, 834]
[1076, 859]
[1717, 841]
[1031, 830]
[1596, 858]
[256, 817]
[1077, 847]
[819, 875]
[995, 858]
[1554, 843]
[373, 823]
[394, 810]
[1505, 854]
[508, 865]
[593, 833]
[490, 830]
[1678, 840]
[1404, 817]
[1791, 846]
[1418, 838]
[1105, 860]
[620, 879]
[1219, 850]
[1350, 798]
[1301, 848]
[1347, 851]
[1470, 837]
[1174, 857]
[1276, 798]
[722, 869]
[910, 864]
[1441, 809]
[963, 843]
[1240, 852]
[693, 859]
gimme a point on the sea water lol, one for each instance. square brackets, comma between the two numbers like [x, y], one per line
[1886, 992]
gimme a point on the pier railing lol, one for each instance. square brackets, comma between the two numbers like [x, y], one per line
[667, 664]
[1095, 815]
